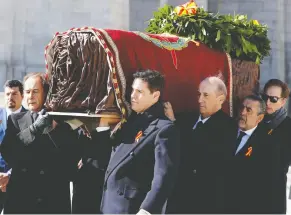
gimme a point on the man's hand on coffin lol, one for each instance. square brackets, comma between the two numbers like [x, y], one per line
[4, 179]
[108, 122]
[43, 122]
[169, 111]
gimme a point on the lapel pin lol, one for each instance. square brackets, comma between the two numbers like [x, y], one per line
[270, 132]
[138, 136]
[249, 152]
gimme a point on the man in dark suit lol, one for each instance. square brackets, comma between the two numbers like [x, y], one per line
[89, 178]
[276, 94]
[143, 164]
[249, 175]
[41, 153]
[206, 150]
[13, 95]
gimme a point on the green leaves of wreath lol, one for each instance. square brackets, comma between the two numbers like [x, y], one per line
[242, 38]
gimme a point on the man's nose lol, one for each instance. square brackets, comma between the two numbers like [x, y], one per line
[133, 94]
[10, 96]
[30, 94]
[243, 111]
[200, 99]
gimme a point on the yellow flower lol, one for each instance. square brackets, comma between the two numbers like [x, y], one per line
[189, 8]
[255, 22]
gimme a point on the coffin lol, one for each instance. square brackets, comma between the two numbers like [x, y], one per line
[90, 70]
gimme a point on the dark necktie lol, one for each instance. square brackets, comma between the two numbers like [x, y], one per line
[199, 125]
[240, 136]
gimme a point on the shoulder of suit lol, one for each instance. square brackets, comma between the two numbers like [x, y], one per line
[287, 119]
[285, 125]
[162, 122]
[223, 118]
[17, 116]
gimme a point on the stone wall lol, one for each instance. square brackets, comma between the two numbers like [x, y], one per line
[275, 14]
[26, 27]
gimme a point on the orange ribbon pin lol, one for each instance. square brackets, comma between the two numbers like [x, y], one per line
[138, 136]
[249, 152]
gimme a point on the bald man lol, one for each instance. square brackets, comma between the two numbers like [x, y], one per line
[207, 145]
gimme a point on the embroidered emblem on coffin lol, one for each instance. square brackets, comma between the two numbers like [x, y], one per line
[168, 41]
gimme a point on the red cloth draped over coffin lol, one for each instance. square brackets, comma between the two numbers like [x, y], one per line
[185, 63]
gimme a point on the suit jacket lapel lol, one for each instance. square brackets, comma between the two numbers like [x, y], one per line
[25, 121]
[249, 143]
[23, 109]
[124, 150]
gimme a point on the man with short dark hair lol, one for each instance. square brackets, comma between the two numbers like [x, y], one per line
[42, 155]
[276, 94]
[13, 95]
[144, 160]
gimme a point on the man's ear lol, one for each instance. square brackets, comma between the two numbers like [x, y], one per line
[157, 95]
[284, 101]
[260, 118]
[221, 98]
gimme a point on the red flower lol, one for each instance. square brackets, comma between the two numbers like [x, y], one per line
[190, 8]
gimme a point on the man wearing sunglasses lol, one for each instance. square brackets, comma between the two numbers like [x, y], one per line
[275, 95]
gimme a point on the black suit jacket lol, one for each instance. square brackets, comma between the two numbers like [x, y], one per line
[141, 173]
[205, 156]
[5, 168]
[89, 179]
[41, 166]
[280, 157]
[249, 176]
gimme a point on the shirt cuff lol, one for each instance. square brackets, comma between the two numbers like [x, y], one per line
[99, 129]
[9, 172]
[143, 212]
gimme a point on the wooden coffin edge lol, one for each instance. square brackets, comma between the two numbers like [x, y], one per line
[74, 114]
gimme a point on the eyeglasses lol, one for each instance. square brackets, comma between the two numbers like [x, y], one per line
[273, 99]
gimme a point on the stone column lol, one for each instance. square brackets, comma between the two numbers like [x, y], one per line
[6, 22]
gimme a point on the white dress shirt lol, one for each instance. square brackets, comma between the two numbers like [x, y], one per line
[200, 119]
[245, 138]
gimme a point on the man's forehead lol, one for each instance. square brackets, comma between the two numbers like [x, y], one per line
[250, 103]
[139, 84]
[274, 91]
[32, 83]
[11, 89]
[206, 87]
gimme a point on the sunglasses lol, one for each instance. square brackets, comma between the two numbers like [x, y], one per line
[273, 99]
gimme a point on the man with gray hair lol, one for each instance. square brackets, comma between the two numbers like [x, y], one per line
[206, 151]
[249, 176]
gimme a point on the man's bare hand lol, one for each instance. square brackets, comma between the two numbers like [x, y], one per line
[108, 122]
[169, 111]
[4, 179]
[3, 189]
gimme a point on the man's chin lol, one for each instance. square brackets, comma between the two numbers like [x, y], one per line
[11, 106]
[241, 123]
[269, 112]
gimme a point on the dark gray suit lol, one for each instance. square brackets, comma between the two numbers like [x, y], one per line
[42, 165]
